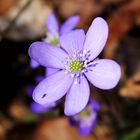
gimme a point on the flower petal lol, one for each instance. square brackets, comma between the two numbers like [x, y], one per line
[52, 88]
[85, 131]
[52, 24]
[94, 105]
[96, 37]
[69, 24]
[37, 108]
[77, 97]
[50, 71]
[105, 74]
[33, 64]
[73, 41]
[47, 55]
[86, 125]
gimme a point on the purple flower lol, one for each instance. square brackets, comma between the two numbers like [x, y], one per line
[76, 62]
[86, 120]
[54, 31]
[30, 89]
[37, 108]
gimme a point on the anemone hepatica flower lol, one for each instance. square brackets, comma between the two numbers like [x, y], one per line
[86, 120]
[54, 32]
[37, 108]
[76, 62]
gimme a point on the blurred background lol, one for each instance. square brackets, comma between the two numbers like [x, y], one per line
[23, 22]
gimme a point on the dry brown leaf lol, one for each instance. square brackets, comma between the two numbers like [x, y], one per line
[5, 5]
[25, 20]
[120, 22]
[58, 129]
[131, 87]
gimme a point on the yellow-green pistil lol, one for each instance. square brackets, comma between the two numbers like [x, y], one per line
[76, 65]
[54, 42]
[85, 112]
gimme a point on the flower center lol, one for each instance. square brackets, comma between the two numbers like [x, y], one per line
[76, 65]
[52, 39]
[85, 112]
[54, 42]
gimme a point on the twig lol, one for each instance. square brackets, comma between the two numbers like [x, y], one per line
[12, 23]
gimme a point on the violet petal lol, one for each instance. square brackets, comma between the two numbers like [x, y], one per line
[47, 55]
[69, 24]
[96, 37]
[52, 24]
[52, 88]
[34, 64]
[105, 75]
[73, 41]
[50, 71]
[77, 97]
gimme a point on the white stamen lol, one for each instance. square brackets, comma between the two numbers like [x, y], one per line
[81, 58]
[75, 82]
[72, 75]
